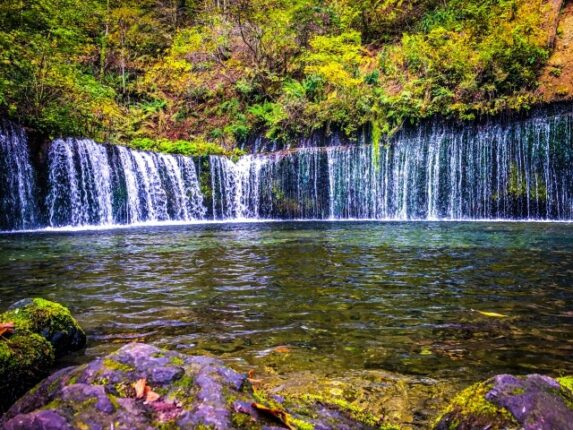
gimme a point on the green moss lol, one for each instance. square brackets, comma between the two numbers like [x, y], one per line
[243, 421]
[115, 365]
[518, 391]
[42, 317]
[185, 381]
[353, 411]
[301, 425]
[25, 358]
[168, 425]
[177, 361]
[566, 382]
[471, 407]
[124, 389]
[183, 390]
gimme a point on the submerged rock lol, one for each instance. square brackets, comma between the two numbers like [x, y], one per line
[42, 330]
[532, 402]
[143, 387]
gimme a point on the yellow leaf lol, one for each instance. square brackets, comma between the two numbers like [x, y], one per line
[279, 414]
[492, 314]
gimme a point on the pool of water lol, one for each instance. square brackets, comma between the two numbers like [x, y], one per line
[333, 297]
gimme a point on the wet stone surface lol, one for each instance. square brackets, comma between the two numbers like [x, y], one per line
[532, 402]
[180, 392]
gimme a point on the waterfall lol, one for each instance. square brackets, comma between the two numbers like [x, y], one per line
[520, 169]
[18, 208]
[93, 184]
[277, 185]
[512, 170]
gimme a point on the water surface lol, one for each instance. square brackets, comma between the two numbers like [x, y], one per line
[339, 296]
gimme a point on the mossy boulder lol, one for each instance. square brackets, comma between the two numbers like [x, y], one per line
[25, 359]
[505, 402]
[143, 387]
[51, 320]
[43, 330]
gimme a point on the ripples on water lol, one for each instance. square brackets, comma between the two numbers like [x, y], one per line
[342, 296]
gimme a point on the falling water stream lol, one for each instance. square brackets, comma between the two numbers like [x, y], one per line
[518, 170]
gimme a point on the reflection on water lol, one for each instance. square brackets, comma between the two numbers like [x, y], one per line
[400, 297]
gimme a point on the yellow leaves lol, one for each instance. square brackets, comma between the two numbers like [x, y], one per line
[187, 41]
[337, 59]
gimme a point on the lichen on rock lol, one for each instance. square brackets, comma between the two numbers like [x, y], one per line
[190, 392]
[532, 402]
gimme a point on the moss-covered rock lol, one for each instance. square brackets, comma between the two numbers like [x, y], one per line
[51, 320]
[43, 330]
[187, 392]
[507, 402]
[24, 360]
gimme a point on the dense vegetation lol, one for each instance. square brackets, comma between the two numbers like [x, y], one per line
[194, 76]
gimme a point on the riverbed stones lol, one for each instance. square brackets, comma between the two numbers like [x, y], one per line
[42, 331]
[532, 402]
[189, 392]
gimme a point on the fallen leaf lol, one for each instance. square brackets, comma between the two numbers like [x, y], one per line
[6, 328]
[278, 414]
[140, 388]
[252, 380]
[492, 314]
[151, 396]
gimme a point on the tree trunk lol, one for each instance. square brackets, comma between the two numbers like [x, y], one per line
[556, 6]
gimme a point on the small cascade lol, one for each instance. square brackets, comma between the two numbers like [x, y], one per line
[18, 208]
[80, 183]
[93, 184]
[278, 185]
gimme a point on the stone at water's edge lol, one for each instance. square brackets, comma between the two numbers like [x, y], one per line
[51, 320]
[43, 330]
[532, 402]
[195, 392]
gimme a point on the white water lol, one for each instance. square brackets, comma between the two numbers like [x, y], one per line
[92, 184]
[519, 170]
[18, 208]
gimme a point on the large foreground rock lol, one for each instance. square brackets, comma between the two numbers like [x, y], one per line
[532, 402]
[190, 392]
[43, 330]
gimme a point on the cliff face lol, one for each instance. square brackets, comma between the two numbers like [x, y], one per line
[556, 79]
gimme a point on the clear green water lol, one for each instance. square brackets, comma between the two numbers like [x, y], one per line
[343, 296]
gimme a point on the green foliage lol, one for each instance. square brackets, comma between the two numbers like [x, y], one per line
[198, 147]
[128, 71]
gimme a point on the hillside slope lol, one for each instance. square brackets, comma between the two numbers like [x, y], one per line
[197, 77]
[556, 79]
